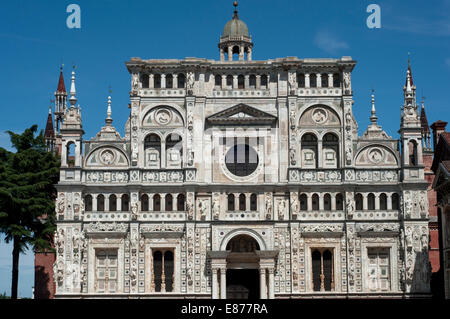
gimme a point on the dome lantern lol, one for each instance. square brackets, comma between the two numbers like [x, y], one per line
[235, 39]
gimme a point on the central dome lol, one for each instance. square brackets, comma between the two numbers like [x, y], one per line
[235, 27]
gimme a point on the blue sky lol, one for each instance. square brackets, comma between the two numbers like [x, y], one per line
[35, 41]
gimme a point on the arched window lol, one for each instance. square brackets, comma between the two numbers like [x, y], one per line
[253, 202]
[231, 202]
[315, 202]
[371, 201]
[181, 81]
[313, 80]
[327, 202]
[152, 149]
[169, 81]
[395, 201]
[157, 81]
[181, 203]
[88, 203]
[383, 201]
[303, 202]
[301, 80]
[252, 81]
[242, 202]
[324, 79]
[339, 202]
[412, 146]
[100, 203]
[157, 203]
[169, 203]
[235, 53]
[125, 202]
[336, 80]
[241, 82]
[229, 81]
[264, 81]
[218, 80]
[112, 203]
[144, 203]
[70, 158]
[358, 201]
[145, 81]
[309, 151]
[174, 151]
[330, 149]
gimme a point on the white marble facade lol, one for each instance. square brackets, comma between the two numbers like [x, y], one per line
[331, 214]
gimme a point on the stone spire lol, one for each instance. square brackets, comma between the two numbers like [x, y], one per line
[426, 134]
[109, 119]
[410, 116]
[373, 117]
[73, 91]
[374, 131]
[49, 131]
[60, 101]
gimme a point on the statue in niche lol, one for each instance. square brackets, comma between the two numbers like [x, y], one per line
[292, 156]
[268, 207]
[347, 82]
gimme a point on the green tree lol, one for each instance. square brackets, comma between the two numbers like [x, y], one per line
[27, 195]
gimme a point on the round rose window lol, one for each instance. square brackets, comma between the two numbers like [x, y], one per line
[241, 160]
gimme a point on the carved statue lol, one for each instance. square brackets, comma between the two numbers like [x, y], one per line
[134, 210]
[281, 209]
[350, 205]
[292, 81]
[134, 81]
[348, 155]
[190, 81]
[268, 206]
[202, 207]
[292, 156]
[347, 81]
[215, 209]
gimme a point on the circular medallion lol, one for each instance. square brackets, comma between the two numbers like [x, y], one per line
[319, 116]
[107, 157]
[375, 155]
[163, 116]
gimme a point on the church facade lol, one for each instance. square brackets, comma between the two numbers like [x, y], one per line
[241, 179]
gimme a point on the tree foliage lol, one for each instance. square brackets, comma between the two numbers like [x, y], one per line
[27, 192]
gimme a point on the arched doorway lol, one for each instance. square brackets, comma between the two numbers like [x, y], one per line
[242, 276]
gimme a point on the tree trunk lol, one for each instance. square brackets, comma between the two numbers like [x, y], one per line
[15, 268]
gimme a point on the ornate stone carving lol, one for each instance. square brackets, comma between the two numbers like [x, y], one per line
[101, 227]
[215, 206]
[321, 228]
[190, 82]
[377, 227]
[347, 83]
[60, 204]
[268, 203]
[350, 204]
[107, 157]
[319, 116]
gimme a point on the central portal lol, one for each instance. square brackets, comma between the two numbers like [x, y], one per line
[242, 277]
[243, 284]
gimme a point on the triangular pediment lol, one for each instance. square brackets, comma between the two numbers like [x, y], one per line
[241, 114]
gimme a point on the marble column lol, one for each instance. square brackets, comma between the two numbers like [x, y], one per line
[271, 284]
[262, 283]
[223, 283]
[215, 286]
